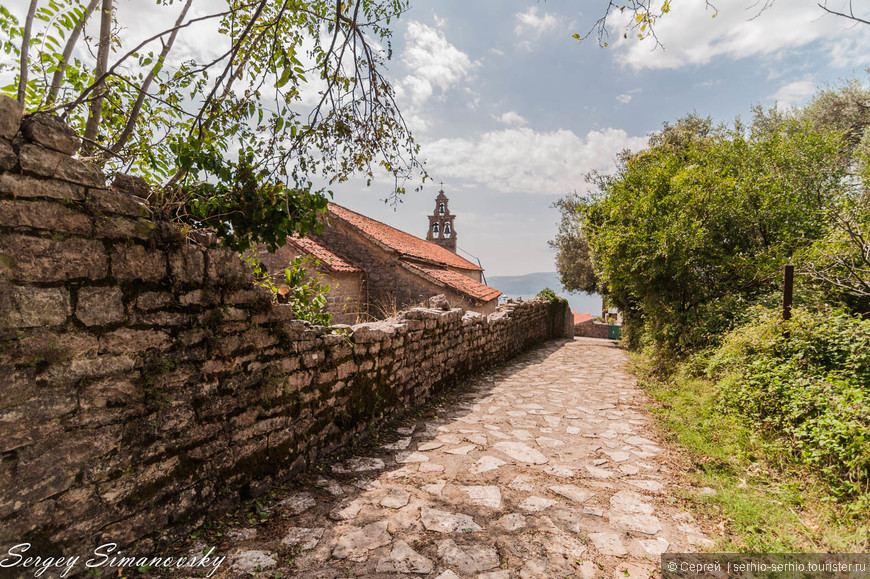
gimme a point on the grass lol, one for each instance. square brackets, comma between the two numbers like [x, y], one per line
[762, 502]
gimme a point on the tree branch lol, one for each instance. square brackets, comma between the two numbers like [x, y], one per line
[25, 51]
[96, 109]
[57, 78]
[143, 90]
[850, 15]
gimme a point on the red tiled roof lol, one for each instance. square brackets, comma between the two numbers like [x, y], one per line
[405, 244]
[324, 255]
[581, 318]
[457, 281]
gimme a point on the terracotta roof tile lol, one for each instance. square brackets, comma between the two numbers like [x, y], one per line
[326, 257]
[457, 281]
[581, 318]
[404, 244]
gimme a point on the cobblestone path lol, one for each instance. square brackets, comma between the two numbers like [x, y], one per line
[544, 468]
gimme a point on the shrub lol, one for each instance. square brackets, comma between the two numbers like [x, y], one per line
[548, 294]
[806, 381]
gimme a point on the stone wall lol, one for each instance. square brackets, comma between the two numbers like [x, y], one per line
[147, 382]
[591, 329]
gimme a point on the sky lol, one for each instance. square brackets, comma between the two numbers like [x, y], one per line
[511, 112]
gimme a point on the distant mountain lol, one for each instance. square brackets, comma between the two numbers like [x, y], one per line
[527, 286]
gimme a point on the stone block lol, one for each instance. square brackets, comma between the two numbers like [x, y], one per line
[131, 185]
[131, 262]
[187, 264]
[26, 521]
[40, 346]
[163, 318]
[28, 307]
[191, 337]
[24, 186]
[204, 237]
[373, 332]
[168, 233]
[78, 504]
[47, 163]
[258, 339]
[44, 215]
[94, 368]
[257, 296]
[127, 341]
[8, 158]
[24, 427]
[110, 227]
[421, 314]
[10, 117]
[49, 131]
[195, 297]
[108, 201]
[100, 306]
[439, 302]
[153, 300]
[226, 268]
[36, 259]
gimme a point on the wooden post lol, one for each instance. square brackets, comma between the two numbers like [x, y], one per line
[787, 291]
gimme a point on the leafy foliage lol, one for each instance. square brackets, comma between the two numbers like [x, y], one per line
[811, 386]
[572, 248]
[305, 291]
[691, 231]
[637, 17]
[235, 140]
[839, 263]
[548, 294]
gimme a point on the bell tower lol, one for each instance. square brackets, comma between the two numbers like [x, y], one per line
[441, 229]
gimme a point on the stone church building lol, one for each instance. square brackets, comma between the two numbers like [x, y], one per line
[375, 270]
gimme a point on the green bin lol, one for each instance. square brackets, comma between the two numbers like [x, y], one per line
[614, 332]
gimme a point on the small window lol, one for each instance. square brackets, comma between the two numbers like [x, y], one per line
[435, 229]
[441, 208]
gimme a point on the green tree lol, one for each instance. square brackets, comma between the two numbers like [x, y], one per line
[839, 263]
[573, 261]
[689, 232]
[227, 142]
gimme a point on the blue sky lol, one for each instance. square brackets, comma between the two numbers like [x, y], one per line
[511, 112]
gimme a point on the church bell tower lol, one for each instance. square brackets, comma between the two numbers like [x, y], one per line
[441, 229]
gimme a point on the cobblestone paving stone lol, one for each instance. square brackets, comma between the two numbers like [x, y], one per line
[544, 468]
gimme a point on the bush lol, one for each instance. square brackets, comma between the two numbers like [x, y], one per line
[810, 387]
[548, 295]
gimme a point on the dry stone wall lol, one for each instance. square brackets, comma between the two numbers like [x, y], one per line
[592, 330]
[145, 381]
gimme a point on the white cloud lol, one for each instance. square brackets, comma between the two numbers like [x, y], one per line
[512, 118]
[435, 66]
[434, 62]
[692, 37]
[624, 98]
[526, 161]
[794, 93]
[531, 26]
